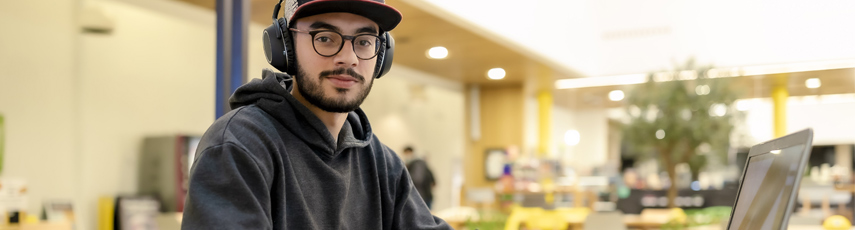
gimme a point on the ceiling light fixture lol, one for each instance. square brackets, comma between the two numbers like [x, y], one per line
[616, 95]
[437, 52]
[813, 83]
[496, 73]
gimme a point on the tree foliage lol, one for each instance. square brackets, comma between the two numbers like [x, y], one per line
[684, 115]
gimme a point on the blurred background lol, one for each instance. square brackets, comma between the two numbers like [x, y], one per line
[541, 114]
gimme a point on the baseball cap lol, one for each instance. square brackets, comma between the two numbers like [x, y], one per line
[384, 15]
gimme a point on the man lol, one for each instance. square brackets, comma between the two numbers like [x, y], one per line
[298, 153]
[422, 176]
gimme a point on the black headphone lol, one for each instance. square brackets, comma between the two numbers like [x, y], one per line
[281, 54]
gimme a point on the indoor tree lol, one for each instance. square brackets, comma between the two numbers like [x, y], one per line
[683, 115]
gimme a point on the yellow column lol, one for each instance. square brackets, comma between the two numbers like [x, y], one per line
[780, 93]
[544, 105]
[105, 213]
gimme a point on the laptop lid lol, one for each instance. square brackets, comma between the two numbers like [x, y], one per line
[769, 183]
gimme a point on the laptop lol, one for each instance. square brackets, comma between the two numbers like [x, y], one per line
[769, 183]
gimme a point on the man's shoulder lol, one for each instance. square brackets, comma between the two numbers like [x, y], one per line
[239, 126]
[247, 128]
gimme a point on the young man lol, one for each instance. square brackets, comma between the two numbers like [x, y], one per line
[298, 153]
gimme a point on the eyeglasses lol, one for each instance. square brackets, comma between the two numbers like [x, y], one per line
[328, 43]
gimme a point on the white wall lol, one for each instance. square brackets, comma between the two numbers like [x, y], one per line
[77, 105]
[408, 107]
[592, 124]
[153, 75]
[531, 125]
[592, 150]
[37, 97]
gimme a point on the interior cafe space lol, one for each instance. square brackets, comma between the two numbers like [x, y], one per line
[546, 114]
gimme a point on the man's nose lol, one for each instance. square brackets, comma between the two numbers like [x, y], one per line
[346, 58]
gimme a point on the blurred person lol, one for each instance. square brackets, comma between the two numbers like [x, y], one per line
[421, 174]
[297, 152]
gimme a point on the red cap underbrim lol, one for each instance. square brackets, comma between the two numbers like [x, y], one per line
[384, 15]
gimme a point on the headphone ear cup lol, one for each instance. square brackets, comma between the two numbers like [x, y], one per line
[385, 57]
[290, 53]
[278, 49]
[273, 48]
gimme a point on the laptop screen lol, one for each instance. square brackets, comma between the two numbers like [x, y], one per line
[766, 189]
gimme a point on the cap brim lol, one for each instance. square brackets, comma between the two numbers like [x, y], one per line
[384, 15]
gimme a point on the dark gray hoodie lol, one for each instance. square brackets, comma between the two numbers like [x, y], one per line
[272, 164]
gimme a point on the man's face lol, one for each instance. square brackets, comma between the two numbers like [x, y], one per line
[341, 82]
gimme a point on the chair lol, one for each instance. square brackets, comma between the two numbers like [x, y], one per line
[538, 218]
[604, 221]
[656, 215]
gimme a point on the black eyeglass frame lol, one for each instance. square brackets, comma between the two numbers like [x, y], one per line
[352, 38]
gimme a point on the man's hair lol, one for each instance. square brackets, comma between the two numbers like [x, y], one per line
[408, 149]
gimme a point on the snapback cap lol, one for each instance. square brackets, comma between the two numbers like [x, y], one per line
[384, 15]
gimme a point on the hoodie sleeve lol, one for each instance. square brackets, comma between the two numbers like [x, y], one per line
[411, 212]
[227, 191]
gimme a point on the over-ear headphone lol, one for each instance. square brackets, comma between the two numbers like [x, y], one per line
[279, 47]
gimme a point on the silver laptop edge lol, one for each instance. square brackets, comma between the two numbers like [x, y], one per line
[803, 137]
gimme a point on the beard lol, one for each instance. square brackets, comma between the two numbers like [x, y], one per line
[314, 93]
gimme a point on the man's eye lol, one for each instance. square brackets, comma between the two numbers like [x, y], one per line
[323, 39]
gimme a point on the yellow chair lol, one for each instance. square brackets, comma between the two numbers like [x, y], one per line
[538, 218]
[836, 222]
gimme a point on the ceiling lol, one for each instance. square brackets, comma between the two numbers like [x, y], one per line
[472, 52]
[834, 81]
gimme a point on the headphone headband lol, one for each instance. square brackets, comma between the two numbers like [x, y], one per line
[276, 10]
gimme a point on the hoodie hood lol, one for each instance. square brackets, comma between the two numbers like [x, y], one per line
[272, 94]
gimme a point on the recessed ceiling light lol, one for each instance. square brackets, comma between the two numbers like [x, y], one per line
[813, 83]
[496, 73]
[438, 52]
[616, 95]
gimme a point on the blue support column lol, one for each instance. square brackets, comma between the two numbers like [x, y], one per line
[232, 23]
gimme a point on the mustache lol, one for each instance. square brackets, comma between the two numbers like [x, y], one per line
[341, 71]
